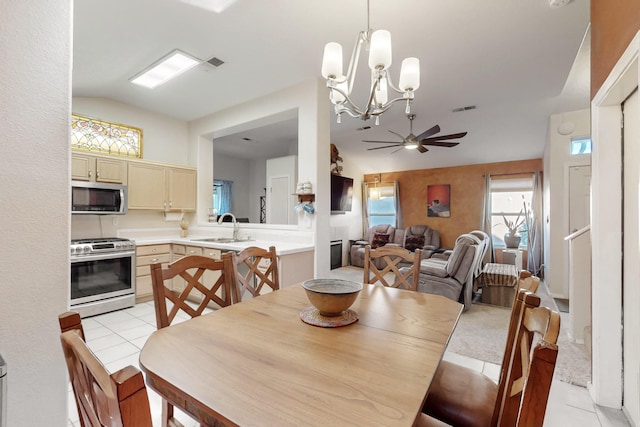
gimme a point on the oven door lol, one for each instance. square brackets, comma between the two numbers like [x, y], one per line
[102, 276]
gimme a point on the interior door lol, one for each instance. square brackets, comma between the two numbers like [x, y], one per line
[631, 259]
[278, 208]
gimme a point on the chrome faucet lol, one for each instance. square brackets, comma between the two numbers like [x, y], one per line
[236, 226]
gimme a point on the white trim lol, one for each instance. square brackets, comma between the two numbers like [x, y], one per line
[606, 384]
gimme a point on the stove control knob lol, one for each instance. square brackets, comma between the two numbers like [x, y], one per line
[117, 245]
[86, 249]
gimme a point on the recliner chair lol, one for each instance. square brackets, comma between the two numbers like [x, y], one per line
[421, 237]
[395, 236]
[453, 277]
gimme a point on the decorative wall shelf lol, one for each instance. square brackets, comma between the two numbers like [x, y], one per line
[305, 197]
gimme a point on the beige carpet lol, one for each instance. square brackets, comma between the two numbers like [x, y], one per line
[481, 334]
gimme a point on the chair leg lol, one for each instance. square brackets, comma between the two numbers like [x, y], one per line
[167, 414]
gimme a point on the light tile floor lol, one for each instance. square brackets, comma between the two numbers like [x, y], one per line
[117, 337]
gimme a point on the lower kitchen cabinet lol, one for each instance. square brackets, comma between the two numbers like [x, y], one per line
[180, 251]
[145, 256]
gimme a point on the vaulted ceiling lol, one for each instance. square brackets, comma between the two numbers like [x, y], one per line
[516, 61]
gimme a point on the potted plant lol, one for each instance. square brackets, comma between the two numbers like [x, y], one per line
[512, 238]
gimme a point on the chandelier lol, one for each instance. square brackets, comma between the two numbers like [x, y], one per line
[340, 86]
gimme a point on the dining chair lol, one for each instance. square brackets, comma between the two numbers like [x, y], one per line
[391, 258]
[207, 280]
[261, 267]
[103, 399]
[463, 397]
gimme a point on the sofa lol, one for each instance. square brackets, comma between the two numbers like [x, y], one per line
[411, 238]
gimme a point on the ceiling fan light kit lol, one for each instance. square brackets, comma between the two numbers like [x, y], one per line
[378, 43]
[412, 142]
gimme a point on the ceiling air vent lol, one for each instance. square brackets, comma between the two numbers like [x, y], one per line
[216, 62]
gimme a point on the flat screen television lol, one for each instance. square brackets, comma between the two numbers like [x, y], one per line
[341, 194]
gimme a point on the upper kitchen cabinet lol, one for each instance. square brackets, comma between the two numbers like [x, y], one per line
[99, 169]
[159, 187]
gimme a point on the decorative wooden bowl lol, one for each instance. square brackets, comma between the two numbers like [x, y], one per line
[331, 296]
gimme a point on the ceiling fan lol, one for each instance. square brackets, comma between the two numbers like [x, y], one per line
[418, 142]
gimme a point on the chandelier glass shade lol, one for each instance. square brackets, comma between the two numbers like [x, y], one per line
[378, 43]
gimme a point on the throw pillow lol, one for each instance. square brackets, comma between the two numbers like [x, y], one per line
[379, 239]
[412, 243]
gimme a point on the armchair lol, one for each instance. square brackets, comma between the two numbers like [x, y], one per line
[376, 236]
[454, 276]
[421, 237]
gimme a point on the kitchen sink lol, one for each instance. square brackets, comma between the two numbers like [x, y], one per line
[221, 240]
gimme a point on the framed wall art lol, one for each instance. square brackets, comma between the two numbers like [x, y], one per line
[439, 200]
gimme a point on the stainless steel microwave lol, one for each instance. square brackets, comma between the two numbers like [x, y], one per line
[98, 198]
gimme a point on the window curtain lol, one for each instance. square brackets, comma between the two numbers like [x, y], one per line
[534, 225]
[365, 208]
[486, 218]
[222, 190]
[396, 198]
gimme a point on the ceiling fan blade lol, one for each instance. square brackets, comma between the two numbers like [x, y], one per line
[441, 137]
[396, 150]
[428, 133]
[381, 142]
[397, 134]
[440, 143]
[386, 146]
[422, 149]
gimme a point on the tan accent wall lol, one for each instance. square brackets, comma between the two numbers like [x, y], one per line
[467, 192]
[613, 24]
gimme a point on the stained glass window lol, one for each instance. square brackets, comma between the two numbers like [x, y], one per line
[101, 137]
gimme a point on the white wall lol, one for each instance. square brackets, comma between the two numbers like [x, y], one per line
[557, 196]
[235, 169]
[164, 138]
[309, 100]
[349, 226]
[35, 106]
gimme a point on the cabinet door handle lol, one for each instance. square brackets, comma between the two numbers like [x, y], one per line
[192, 251]
[154, 260]
[97, 174]
[170, 204]
[90, 173]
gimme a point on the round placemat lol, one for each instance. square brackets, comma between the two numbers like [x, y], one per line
[312, 316]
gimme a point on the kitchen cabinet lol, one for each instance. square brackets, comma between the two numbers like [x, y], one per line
[159, 187]
[145, 256]
[98, 169]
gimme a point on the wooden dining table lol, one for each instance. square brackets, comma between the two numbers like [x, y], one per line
[257, 363]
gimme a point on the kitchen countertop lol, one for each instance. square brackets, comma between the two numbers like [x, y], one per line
[282, 248]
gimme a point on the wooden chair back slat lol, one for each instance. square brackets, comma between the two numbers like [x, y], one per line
[199, 282]
[257, 278]
[391, 257]
[119, 399]
[530, 362]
